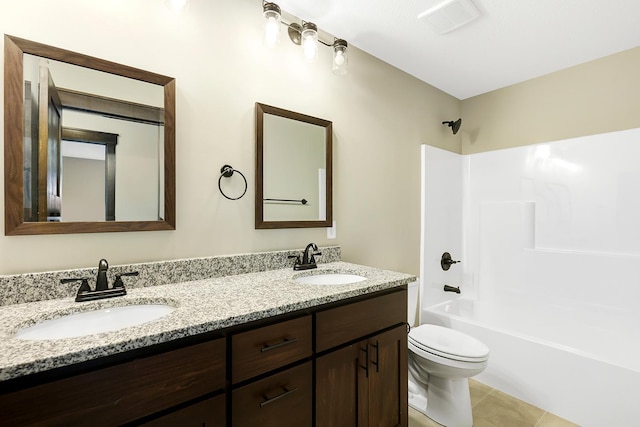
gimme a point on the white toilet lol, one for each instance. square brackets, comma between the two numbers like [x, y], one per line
[440, 362]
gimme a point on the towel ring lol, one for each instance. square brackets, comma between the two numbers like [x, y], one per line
[227, 171]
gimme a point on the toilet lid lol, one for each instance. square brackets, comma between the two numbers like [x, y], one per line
[448, 341]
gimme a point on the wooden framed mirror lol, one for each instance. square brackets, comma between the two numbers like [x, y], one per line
[293, 169]
[36, 114]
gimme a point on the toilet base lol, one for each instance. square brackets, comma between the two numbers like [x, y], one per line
[417, 395]
[449, 402]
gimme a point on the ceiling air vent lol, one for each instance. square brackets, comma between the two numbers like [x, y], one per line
[448, 15]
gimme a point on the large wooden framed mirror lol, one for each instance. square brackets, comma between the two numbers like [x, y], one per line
[293, 169]
[89, 144]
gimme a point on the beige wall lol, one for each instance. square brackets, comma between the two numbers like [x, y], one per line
[595, 97]
[380, 117]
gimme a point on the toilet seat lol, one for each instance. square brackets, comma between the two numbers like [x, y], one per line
[448, 343]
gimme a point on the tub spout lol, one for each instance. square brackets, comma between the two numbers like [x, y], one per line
[455, 289]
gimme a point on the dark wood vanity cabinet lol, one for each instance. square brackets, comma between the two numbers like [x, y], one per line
[363, 383]
[342, 364]
[260, 350]
[208, 413]
[360, 361]
[124, 392]
[387, 392]
[282, 398]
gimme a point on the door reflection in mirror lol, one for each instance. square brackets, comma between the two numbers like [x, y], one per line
[88, 171]
[72, 185]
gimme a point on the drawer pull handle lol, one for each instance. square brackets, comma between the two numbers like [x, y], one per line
[280, 344]
[280, 396]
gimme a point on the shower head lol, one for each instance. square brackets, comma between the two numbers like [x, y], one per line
[455, 126]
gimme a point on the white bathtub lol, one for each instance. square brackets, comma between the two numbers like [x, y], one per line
[582, 368]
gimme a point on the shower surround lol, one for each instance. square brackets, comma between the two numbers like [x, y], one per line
[550, 244]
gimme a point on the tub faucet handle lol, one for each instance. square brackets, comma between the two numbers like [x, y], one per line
[446, 261]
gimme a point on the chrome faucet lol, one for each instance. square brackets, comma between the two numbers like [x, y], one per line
[308, 258]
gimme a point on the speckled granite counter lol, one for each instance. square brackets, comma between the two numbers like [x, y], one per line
[201, 306]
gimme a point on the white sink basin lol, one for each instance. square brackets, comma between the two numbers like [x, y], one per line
[94, 322]
[328, 279]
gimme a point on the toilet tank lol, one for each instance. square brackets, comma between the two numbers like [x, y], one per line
[412, 301]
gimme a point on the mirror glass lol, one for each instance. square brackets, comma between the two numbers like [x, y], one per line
[293, 169]
[96, 142]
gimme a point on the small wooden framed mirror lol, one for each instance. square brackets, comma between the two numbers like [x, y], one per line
[293, 169]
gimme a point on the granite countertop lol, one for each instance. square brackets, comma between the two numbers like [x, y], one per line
[201, 306]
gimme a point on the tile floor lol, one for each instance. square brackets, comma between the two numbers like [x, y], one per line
[493, 408]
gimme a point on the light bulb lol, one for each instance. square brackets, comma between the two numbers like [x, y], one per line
[310, 49]
[271, 12]
[272, 32]
[309, 41]
[340, 58]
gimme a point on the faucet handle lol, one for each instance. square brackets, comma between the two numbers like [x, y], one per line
[75, 279]
[118, 283]
[297, 258]
[313, 257]
[84, 286]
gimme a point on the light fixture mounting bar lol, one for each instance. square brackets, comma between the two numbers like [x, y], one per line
[296, 29]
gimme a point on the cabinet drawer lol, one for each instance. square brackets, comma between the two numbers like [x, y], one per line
[339, 325]
[123, 392]
[209, 413]
[280, 400]
[264, 349]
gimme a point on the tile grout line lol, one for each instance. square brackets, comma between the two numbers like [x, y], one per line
[540, 419]
[483, 397]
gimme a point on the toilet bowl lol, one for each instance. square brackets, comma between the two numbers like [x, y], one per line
[440, 362]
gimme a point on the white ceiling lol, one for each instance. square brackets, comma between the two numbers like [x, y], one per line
[512, 41]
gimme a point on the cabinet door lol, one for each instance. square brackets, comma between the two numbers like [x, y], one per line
[342, 387]
[388, 378]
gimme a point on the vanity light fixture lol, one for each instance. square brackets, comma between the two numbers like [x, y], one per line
[340, 58]
[305, 35]
[309, 37]
[272, 14]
